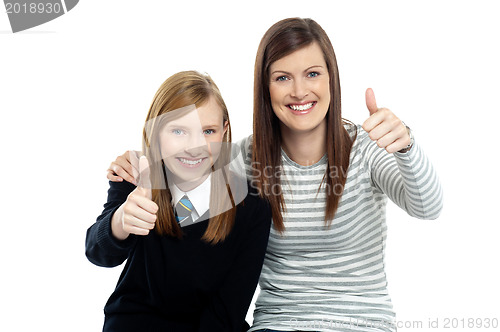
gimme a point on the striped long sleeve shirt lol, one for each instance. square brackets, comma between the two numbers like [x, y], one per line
[332, 278]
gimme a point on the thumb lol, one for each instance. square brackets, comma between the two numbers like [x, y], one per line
[134, 161]
[371, 103]
[144, 176]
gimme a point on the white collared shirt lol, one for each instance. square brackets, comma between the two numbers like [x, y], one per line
[199, 197]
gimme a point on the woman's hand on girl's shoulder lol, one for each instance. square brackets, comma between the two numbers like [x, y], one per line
[125, 167]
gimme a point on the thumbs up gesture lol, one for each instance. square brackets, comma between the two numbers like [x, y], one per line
[138, 214]
[144, 185]
[384, 127]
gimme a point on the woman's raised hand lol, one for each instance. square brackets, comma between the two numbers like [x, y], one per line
[125, 167]
[384, 127]
[138, 214]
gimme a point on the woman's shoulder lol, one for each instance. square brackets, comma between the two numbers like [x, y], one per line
[357, 134]
[351, 128]
[354, 130]
[245, 144]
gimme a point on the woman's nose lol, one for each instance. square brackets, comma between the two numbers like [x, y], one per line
[299, 89]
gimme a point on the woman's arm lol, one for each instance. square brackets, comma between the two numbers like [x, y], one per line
[228, 308]
[125, 167]
[408, 179]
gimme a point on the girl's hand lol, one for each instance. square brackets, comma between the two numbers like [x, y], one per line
[384, 127]
[138, 214]
[125, 167]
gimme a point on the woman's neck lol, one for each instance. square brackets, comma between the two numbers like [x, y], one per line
[304, 148]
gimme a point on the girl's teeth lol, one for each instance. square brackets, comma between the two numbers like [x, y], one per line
[301, 107]
[190, 162]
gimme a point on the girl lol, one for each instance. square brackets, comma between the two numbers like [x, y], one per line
[195, 269]
[327, 182]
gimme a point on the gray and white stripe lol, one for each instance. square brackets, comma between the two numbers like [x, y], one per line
[319, 278]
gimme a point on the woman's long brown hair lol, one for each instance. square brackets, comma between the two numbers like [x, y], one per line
[185, 89]
[282, 39]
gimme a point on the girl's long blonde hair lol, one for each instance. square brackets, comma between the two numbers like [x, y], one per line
[180, 90]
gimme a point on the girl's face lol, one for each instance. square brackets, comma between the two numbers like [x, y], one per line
[191, 144]
[300, 90]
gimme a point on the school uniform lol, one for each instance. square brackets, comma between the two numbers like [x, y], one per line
[171, 284]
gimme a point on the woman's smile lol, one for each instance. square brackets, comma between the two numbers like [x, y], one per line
[303, 108]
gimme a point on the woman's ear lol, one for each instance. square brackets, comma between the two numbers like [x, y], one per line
[226, 125]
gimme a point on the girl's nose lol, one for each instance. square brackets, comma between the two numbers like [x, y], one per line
[197, 145]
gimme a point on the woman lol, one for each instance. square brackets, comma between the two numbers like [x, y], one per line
[327, 182]
[194, 269]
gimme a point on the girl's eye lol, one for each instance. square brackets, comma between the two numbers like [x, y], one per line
[177, 131]
[208, 131]
[281, 78]
[313, 74]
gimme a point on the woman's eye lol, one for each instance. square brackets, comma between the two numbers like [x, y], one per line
[313, 74]
[281, 78]
[208, 131]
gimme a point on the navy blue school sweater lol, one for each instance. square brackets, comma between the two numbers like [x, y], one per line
[171, 284]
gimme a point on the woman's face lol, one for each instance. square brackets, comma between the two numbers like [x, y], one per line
[300, 90]
[191, 144]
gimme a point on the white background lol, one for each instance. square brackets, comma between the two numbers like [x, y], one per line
[74, 94]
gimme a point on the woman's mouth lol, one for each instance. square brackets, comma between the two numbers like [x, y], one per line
[301, 108]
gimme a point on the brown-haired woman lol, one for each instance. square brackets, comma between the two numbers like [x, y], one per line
[328, 182]
[198, 269]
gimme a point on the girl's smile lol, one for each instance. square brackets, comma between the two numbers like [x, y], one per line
[190, 162]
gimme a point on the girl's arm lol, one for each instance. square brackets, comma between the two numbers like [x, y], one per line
[101, 247]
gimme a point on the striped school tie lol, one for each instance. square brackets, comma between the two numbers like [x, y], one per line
[183, 209]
